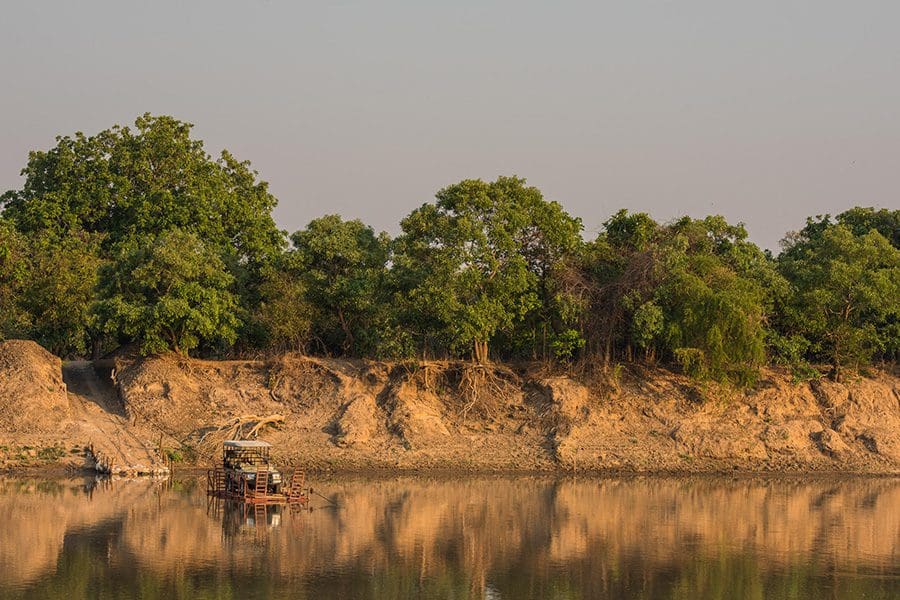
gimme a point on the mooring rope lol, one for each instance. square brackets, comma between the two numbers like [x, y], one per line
[312, 491]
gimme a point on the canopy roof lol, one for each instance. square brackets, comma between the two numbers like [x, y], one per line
[247, 444]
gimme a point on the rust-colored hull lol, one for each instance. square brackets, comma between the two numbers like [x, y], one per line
[217, 485]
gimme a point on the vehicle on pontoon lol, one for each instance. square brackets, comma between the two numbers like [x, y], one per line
[243, 461]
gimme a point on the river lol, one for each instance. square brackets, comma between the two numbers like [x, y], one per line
[456, 537]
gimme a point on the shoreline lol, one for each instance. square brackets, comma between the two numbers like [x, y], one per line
[60, 471]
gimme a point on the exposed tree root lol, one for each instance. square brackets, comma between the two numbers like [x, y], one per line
[479, 390]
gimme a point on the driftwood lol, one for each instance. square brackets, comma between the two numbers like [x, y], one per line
[242, 427]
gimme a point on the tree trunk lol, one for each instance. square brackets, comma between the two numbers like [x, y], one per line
[544, 342]
[480, 351]
[349, 342]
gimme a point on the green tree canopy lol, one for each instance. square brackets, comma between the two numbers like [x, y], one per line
[14, 274]
[138, 232]
[471, 264]
[123, 182]
[694, 291]
[846, 292]
[858, 220]
[89, 198]
[283, 313]
[861, 220]
[169, 291]
[61, 291]
[342, 266]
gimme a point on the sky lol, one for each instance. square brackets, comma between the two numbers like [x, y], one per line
[765, 112]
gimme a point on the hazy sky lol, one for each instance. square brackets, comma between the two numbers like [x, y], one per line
[763, 111]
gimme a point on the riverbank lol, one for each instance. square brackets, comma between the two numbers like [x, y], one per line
[342, 415]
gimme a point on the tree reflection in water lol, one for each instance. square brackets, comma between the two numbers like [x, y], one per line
[486, 537]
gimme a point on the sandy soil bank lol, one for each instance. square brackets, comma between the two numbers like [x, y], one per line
[344, 414]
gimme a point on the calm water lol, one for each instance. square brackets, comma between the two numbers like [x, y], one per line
[643, 537]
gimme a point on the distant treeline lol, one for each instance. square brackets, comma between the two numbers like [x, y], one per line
[138, 236]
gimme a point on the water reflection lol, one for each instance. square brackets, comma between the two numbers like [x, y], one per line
[241, 519]
[641, 537]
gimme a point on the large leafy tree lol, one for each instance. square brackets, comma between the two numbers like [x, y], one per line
[613, 277]
[47, 289]
[342, 266]
[547, 241]
[472, 263]
[713, 318]
[169, 292]
[727, 316]
[123, 182]
[846, 291]
[694, 291]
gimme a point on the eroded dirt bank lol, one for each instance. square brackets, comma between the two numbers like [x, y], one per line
[67, 415]
[346, 414]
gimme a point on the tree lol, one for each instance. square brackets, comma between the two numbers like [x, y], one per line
[283, 311]
[613, 277]
[714, 316]
[647, 326]
[166, 292]
[634, 232]
[550, 237]
[342, 265]
[720, 290]
[846, 293]
[47, 289]
[14, 273]
[61, 291]
[858, 220]
[861, 220]
[123, 182]
[694, 291]
[472, 264]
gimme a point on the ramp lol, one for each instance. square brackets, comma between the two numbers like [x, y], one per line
[114, 446]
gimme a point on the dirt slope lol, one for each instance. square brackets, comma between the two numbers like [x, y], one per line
[358, 414]
[99, 417]
[52, 412]
[32, 393]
